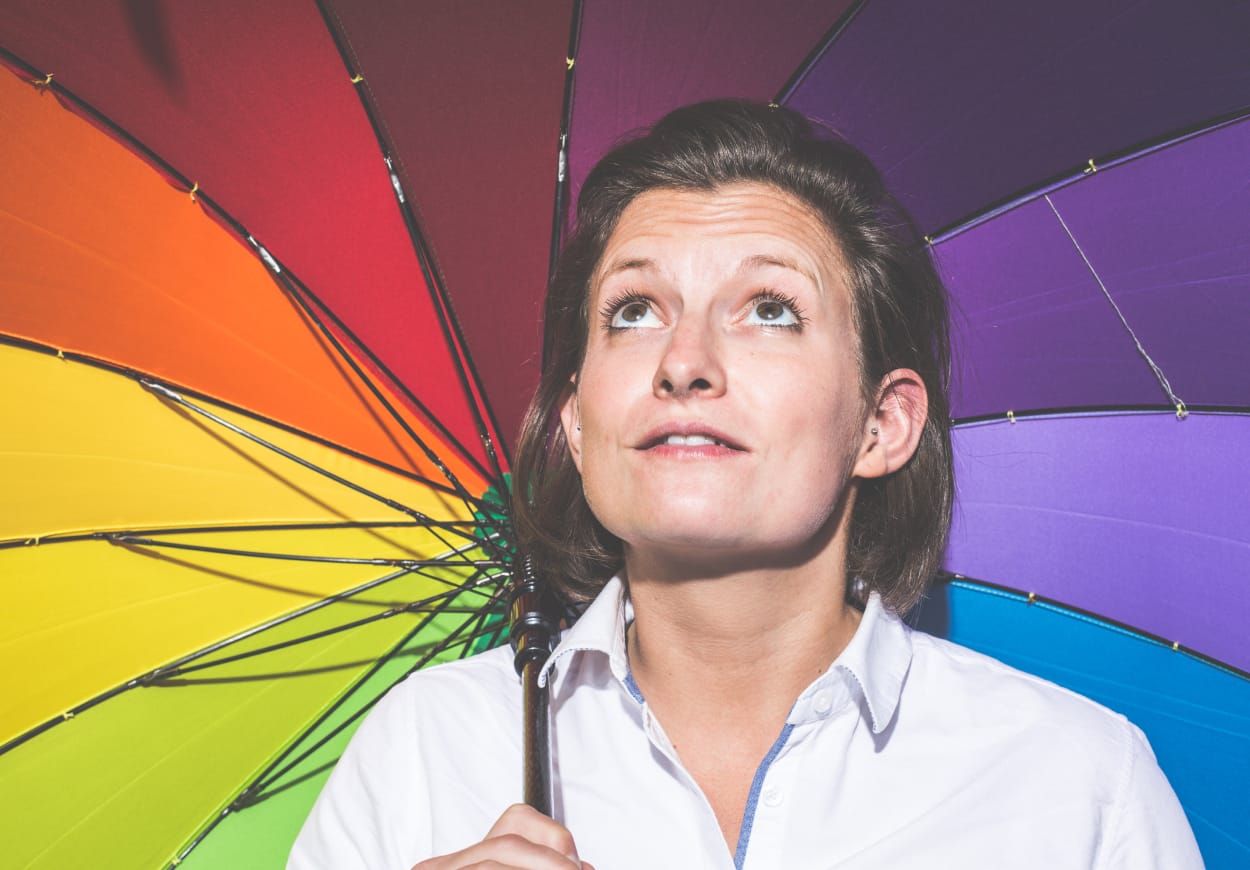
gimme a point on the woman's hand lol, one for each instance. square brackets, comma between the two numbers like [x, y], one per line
[522, 839]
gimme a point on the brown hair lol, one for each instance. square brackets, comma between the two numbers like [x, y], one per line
[899, 523]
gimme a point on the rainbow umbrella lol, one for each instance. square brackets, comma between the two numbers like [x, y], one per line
[269, 316]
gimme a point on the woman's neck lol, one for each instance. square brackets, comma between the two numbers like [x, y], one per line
[748, 640]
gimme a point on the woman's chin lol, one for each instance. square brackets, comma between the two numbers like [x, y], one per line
[701, 552]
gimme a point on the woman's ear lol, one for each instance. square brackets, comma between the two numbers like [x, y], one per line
[571, 422]
[894, 425]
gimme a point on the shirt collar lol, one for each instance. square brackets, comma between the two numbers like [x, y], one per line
[600, 628]
[872, 668]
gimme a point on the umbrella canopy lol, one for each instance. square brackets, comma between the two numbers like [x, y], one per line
[269, 317]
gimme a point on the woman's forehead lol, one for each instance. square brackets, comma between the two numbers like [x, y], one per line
[744, 226]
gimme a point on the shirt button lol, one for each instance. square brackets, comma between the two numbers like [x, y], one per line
[823, 702]
[772, 797]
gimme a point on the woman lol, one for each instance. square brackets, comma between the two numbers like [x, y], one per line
[739, 454]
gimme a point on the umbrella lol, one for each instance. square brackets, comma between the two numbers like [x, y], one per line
[270, 303]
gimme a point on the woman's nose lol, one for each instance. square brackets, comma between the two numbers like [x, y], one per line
[691, 364]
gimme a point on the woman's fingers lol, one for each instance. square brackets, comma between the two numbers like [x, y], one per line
[507, 852]
[522, 839]
[535, 827]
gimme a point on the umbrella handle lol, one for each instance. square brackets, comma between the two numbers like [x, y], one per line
[533, 637]
[536, 747]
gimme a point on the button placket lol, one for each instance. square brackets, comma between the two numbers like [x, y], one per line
[773, 789]
[767, 844]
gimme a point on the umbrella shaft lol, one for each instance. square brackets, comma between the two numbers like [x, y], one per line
[536, 747]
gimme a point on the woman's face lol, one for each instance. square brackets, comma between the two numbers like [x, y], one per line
[719, 405]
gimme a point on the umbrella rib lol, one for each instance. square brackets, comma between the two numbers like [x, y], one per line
[818, 51]
[135, 540]
[1096, 411]
[466, 371]
[130, 537]
[1056, 606]
[559, 213]
[1181, 412]
[102, 534]
[1062, 179]
[171, 395]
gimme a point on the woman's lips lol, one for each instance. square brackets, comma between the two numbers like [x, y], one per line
[689, 438]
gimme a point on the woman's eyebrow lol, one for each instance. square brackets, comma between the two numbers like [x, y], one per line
[641, 263]
[756, 261]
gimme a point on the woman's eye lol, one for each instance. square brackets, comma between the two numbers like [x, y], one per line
[772, 311]
[635, 314]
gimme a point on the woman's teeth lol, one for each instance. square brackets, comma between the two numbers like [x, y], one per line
[691, 440]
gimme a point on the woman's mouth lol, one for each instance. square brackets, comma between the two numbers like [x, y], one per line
[689, 439]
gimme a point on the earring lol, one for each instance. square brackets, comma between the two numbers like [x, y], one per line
[874, 430]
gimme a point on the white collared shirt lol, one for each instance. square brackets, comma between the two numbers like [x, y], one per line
[908, 752]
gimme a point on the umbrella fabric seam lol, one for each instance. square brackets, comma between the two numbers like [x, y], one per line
[1072, 612]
